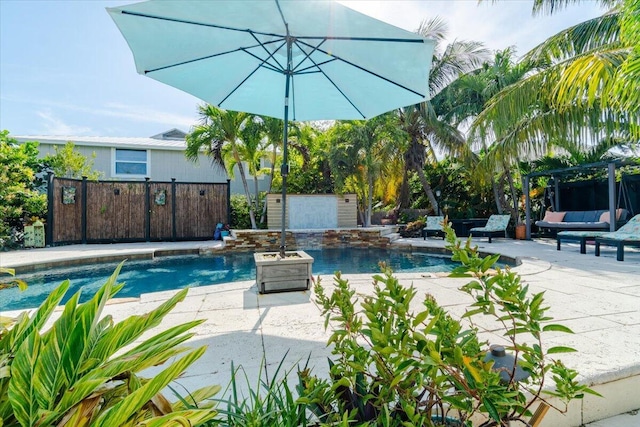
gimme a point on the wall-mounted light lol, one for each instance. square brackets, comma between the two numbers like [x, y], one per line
[202, 192]
[346, 200]
[116, 191]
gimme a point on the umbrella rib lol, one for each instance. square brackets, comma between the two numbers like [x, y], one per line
[369, 72]
[202, 58]
[201, 24]
[239, 84]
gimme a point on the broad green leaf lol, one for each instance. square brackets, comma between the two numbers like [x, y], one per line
[491, 409]
[560, 349]
[82, 389]
[120, 412]
[50, 371]
[186, 418]
[126, 332]
[420, 317]
[21, 390]
[23, 328]
[558, 328]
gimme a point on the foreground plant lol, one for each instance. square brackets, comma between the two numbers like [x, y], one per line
[395, 366]
[270, 402]
[85, 369]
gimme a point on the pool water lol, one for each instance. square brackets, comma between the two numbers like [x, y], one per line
[167, 273]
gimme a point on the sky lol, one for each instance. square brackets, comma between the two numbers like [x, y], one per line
[66, 70]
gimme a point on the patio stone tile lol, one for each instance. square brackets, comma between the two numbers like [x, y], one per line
[229, 320]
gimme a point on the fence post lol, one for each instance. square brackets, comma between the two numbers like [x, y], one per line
[83, 221]
[228, 221]
[173, 209]
[49, 229]
[147, 208]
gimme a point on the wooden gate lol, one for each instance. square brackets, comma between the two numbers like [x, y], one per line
[82, 211]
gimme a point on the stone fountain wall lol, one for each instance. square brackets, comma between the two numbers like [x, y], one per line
[269, 240]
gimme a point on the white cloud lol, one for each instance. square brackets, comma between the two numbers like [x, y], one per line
[145, 114]
[135, 113]
[53, 125]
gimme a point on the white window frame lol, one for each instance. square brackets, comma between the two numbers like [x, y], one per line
[127, 175]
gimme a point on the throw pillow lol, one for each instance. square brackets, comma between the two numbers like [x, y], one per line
[553, 216]
[605, 217]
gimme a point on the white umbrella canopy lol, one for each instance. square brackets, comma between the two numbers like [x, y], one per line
[313, 60]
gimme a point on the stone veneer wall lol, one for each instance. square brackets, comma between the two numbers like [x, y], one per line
[269, 240]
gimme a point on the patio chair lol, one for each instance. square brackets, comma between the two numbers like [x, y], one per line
[433, 227]
[627, 235]
[496, 226]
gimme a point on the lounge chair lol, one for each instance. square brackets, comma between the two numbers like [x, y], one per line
[578, 236]
[627, 235]
[433, 227]
[496, 226]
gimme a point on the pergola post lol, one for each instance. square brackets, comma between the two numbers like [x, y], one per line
[612, 196]
[527, 207]
[556, 192]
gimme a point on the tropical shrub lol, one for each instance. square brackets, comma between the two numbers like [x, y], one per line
[461, 195]
[394, 366]
[240, 218]
[69, 163]
[19, 198]
[86, 370]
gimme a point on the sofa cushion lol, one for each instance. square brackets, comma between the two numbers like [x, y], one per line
[574, 216]
[553, 216]
[605, 217]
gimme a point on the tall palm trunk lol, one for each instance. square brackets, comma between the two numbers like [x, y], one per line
[245, 184]
[428, 190]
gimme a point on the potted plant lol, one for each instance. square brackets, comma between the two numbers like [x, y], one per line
[395, 366]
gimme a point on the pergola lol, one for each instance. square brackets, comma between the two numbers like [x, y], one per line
[556, 173]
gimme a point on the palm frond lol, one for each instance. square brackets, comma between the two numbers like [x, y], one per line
[586, 36]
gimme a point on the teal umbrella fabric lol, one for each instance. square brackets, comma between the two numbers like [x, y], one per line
[290, 59]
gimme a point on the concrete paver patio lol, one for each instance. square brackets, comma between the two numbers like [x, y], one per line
[598, 297]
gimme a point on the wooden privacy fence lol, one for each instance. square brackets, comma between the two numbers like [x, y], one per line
[82, 211]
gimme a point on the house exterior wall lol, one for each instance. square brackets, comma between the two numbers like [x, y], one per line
[163, 165]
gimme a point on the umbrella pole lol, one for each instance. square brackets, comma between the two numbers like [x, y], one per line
[284, 169]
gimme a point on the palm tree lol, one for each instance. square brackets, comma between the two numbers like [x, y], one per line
[465, 99]
[551, 106]
[605, 69]
[428, 133]
[216, 128]
[359, 156]
[273, 131]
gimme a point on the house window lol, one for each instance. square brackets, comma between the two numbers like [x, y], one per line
[131, 163]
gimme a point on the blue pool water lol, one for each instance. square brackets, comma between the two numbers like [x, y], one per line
[167, 273]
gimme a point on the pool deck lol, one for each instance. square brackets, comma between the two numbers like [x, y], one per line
[597, 297]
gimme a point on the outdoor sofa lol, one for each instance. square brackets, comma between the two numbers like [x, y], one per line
[579, 220]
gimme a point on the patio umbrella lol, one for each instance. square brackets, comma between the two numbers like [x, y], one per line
[298, 59]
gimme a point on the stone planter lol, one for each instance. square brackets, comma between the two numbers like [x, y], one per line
[276, 274]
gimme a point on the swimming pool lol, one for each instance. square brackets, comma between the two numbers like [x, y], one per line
[165, 273]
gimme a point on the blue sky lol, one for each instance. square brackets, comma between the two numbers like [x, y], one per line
[66, 70]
